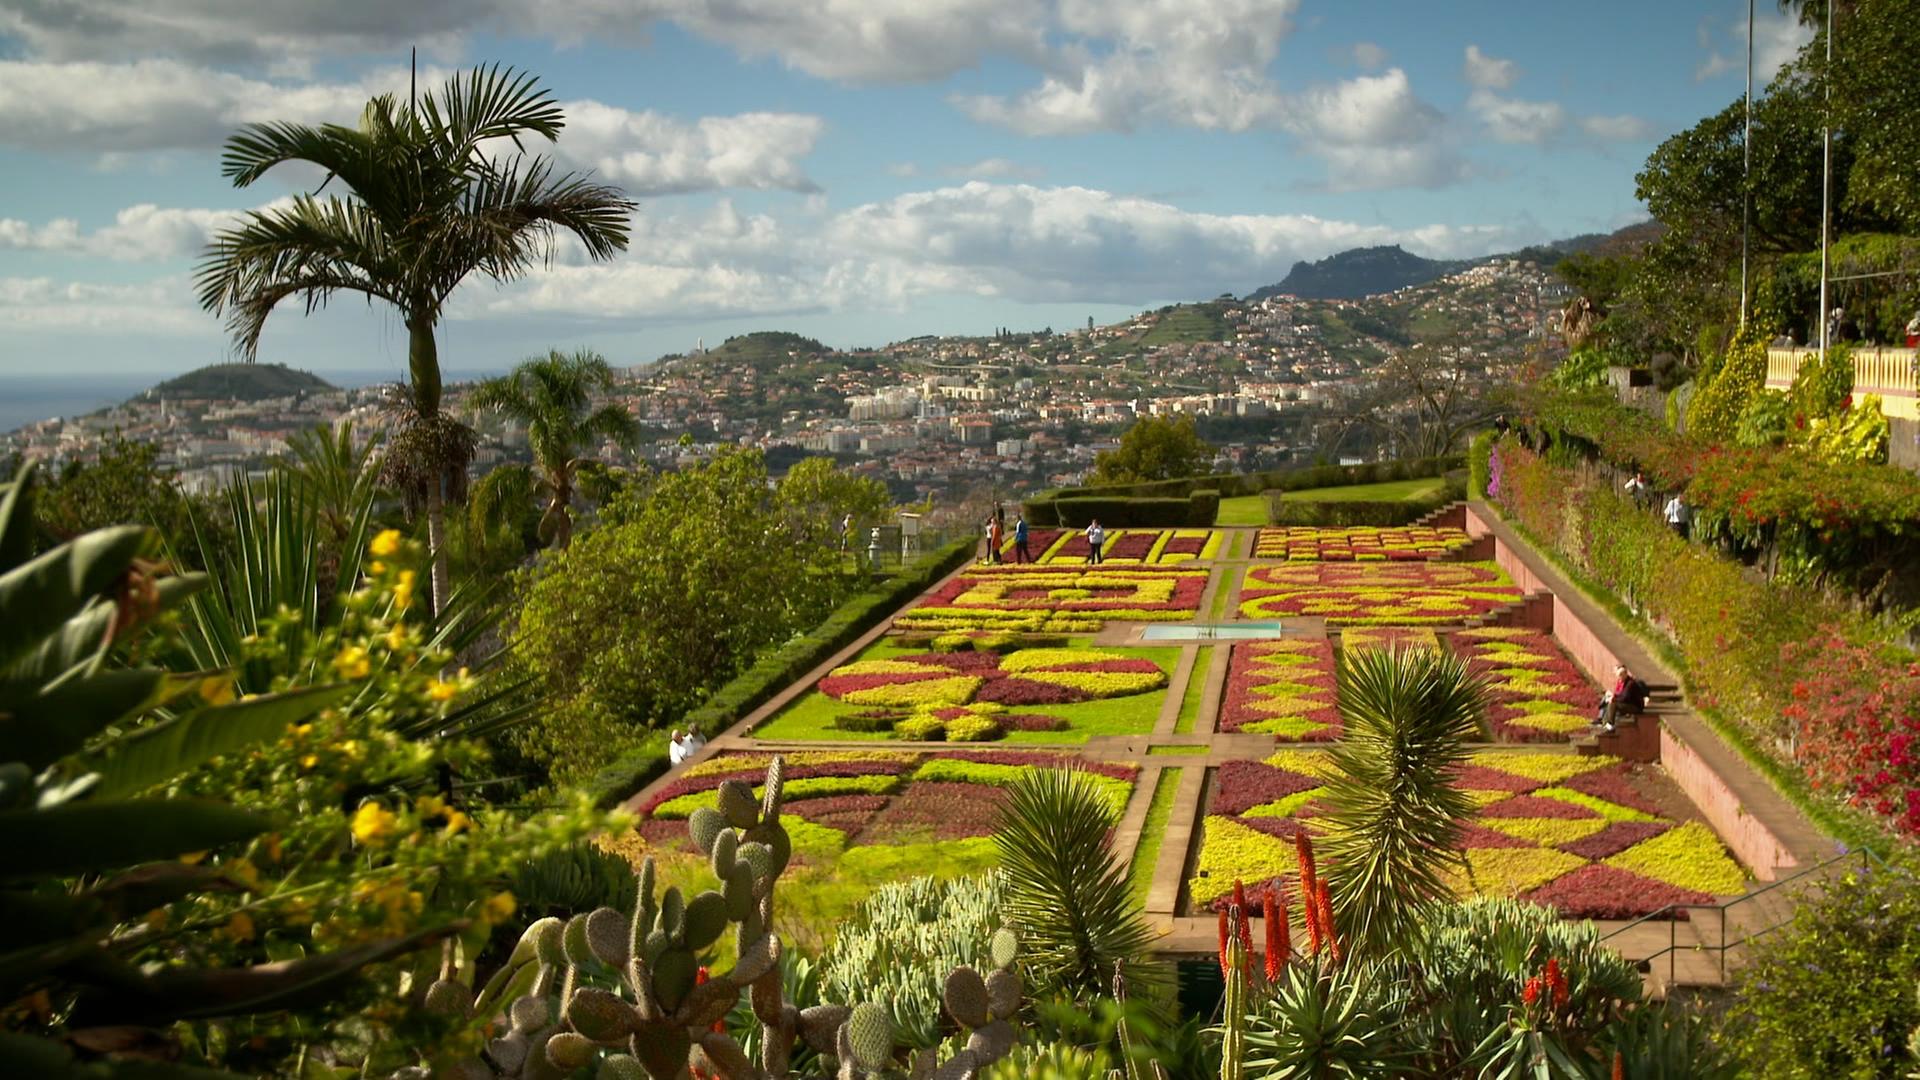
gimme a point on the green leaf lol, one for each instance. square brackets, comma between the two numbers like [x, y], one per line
[38, 595]
[40, 725]
[16, 520]
[78, 640]
[96, 836]
[156, 754]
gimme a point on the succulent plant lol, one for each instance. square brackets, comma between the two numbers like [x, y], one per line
[623, 994]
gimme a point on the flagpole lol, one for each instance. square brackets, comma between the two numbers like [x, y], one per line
[1746, 186]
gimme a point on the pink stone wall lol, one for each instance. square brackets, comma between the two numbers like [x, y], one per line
[1750, 841]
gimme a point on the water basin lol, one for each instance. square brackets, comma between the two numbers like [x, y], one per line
[1237, 631]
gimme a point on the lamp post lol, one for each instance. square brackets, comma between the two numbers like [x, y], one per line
[1746, 175]
[1826, 181]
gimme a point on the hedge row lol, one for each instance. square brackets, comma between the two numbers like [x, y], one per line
[1196, 510]
[1232, 485]
[777, 670]
[1283, 511]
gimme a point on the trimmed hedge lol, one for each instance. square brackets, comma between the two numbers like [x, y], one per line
[777, 670]
[1479, 465]
[1196, 510]
[1282, 511]
[1231, 485]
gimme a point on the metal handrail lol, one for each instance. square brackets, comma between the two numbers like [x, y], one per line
[1672, 951]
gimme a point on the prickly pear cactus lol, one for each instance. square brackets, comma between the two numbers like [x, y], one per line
[621, 994]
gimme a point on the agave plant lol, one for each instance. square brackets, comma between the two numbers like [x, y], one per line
[1346, 1020]
[1394, 812]
[1066, 891]
[85, 743]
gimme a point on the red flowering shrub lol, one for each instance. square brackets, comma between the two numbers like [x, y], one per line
[1857, 712]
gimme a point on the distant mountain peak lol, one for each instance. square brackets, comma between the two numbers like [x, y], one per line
[242, 382]
[1357, 273]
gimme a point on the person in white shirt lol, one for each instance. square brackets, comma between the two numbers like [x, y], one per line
[1679, 515]
[1096, 536]
[676, 750]
[693, 742]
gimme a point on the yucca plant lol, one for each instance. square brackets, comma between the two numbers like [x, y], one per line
[1394, 814]
[1065, 890]
[1347, 1021]
[84, 743]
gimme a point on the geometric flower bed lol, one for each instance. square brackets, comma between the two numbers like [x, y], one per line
[1534, 693]
[841, 801]
[1582, 834]
[1042, 695]
[926, 696]
[1376, 594]
[1398, 638]
[1411, 543]
[1282, 688]
[1066, 547]
[1057, 599]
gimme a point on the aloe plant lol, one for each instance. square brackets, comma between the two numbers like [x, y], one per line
[86, 739]
[624, 994]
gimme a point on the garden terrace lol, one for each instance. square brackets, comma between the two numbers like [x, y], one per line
[1151, 547]
[1215, 753]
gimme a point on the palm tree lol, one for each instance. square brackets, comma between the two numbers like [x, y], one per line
[429, 202]
[553, 396]
[1396, 816]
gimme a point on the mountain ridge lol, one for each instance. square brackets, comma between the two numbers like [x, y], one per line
[241, 382]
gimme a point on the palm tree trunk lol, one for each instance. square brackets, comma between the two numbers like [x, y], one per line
[437, 547]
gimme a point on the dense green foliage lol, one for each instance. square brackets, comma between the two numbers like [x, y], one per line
[1831, 994]
[687, 579]
[124, 483]
[902, 940]
[245, 382]
[1288, 508]
[1154, 448]
[1715, 411]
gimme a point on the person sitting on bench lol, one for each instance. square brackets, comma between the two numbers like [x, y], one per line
[1628, 696]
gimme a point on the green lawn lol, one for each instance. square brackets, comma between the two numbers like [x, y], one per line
[812, 716]
[1196, 683]
[1147, 852]
[1391, 491]
[1242, 510]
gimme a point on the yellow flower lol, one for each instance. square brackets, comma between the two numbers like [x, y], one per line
[403, 591]
[397, 638]
[351, 748]
[308, 761]
[457, 822]
[441, 690]
[498, 908]
[216, 689]
[238, 928]
[300, 731]
[386, 544]
[352, 663]
[376, 568]
[373, 823]
[429, 806]
[244, 872]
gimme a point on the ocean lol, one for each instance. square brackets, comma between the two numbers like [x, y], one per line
[26, 399]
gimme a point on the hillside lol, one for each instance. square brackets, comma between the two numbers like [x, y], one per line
[766, 349]
[242, 382]
[1360, 272]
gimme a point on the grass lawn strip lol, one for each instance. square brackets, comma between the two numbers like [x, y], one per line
[1385, 491]
[1153, 831]
[1242, 510]
[1196, 689]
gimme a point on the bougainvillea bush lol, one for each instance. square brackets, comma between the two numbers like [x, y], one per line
[1282, 688]
[1045, 694]
[1582, 834]
[1057, 599]
[1360, 543]
[1534, 692]
[1384, 594]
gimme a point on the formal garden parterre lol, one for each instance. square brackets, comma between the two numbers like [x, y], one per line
[1154, 547]
[1360, 543]
[1377, 594]
[1057, 599]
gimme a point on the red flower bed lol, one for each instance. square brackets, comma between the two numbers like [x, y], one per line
[1032, 722]
[1527, 676]
[1130, 545]
[687, 785]
[1266, 694]
[938, 811]
[1376, 593]
[1240, 786]
[1614, 786]
[1184, 545]
[1599, 891]
[1535, 806]
[1615, 838]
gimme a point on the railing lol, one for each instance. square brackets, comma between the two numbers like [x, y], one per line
[1672, 952]
[1888, 372]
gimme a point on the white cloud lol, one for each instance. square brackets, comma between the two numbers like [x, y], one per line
[1510, 119]
[158, 307]
[138, 234]
[1367, 56]
[159, 105]
[1374, 132]
[1488, 73]
[1777, 40]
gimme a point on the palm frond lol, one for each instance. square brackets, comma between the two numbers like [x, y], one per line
[1394, 812]
[490, 102]
[311, 249]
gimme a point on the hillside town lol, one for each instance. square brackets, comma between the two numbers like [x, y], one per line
[1012, 411]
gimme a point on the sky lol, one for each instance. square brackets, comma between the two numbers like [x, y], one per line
[857, 170]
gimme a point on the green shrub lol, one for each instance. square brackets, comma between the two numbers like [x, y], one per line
[572, 880]
[1479, 454]
[1831, 994]
[1766, 421]
[1716, 408]
[1824, 384]
[1345, 514]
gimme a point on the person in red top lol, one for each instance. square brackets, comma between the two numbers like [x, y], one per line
[1628, 695]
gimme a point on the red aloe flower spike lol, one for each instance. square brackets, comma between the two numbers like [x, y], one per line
[1274, 922]
[1530, 993]
[1619, 1066]
[1243, 929]
[1557, 982]
[1310, 911]
[1326, 921]
[1239, 894]
[1224, 969]
[1303, 846]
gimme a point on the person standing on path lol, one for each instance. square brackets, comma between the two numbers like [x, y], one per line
[1020, 552]
[1096, 536]
[995, 537]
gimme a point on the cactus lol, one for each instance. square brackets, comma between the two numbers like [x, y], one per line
[656, 1019]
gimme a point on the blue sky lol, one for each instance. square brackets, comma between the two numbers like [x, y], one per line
[859, 170]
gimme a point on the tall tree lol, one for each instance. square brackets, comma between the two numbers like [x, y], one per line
[553, 396]
[1154, 448]
[430, 201]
